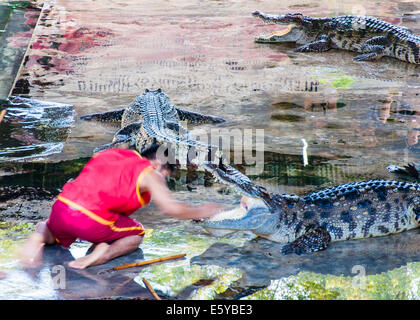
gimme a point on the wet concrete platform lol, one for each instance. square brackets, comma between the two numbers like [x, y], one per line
[343, 258]
[56, 280]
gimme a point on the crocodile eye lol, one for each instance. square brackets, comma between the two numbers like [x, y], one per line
[295, 17]
[159, 90]
[147, 90]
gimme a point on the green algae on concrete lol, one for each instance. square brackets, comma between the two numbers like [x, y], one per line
[15, 229]
[173, 277]
[335, 78]
[397, 284]
[12, 236]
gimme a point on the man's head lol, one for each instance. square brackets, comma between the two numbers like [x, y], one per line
[158, 157]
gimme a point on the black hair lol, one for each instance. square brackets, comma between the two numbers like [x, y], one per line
[150, 153]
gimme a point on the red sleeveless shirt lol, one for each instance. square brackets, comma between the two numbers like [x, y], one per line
[109, 185]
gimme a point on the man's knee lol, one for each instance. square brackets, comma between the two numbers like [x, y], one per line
[133, 242]
[137, 240]
[42, 228]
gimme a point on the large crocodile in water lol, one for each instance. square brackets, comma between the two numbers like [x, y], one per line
[309, 223]
[371, 37]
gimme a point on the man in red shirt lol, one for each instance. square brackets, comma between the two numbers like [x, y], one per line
[96, 206]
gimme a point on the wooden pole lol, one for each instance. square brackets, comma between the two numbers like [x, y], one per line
[2, 114]
[151, 289]
[138, 264]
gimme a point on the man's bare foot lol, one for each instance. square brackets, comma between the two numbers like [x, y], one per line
[91, 259]
[31, 252]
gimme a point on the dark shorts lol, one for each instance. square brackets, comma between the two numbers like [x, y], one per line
[68, 224]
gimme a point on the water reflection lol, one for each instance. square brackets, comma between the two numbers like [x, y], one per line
[33, 128]
[369, 122]
[17, 22]
[55, 280]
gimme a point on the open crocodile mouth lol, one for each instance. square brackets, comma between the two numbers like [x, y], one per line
[286, 33]
[283, 31]
[234, 214]
[238, 212]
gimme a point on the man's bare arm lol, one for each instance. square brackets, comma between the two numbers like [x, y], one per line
[166, 202]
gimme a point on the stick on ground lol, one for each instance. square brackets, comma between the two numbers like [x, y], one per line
[2, 114]
[138, 264]
[147, 284]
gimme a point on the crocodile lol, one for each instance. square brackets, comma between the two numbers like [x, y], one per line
[152, 119]
[309, 223]
[369, 36]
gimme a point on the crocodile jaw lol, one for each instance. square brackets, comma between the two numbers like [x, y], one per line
[250, 215]
[291, 33]
[271, 18]
[233, 214]
[246, 204]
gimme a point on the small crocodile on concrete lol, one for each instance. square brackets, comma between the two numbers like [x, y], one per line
[151, 118]
[371, 37]
[309, 223]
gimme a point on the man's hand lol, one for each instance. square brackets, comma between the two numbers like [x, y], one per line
[209, 209]
[167, 203]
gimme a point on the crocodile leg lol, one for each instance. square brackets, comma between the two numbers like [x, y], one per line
[321, 45]
[127, 134]
[109, 116]
[375, 53]
[197, 118]
[411, 170]
[315, 239]
[415, 209]
[373, 48]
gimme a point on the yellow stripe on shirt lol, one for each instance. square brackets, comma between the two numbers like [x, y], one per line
[87, 212]
[144, 172]
[114, 228]
[97, 218]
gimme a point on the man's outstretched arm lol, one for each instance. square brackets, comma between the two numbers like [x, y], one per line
[167, 203]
